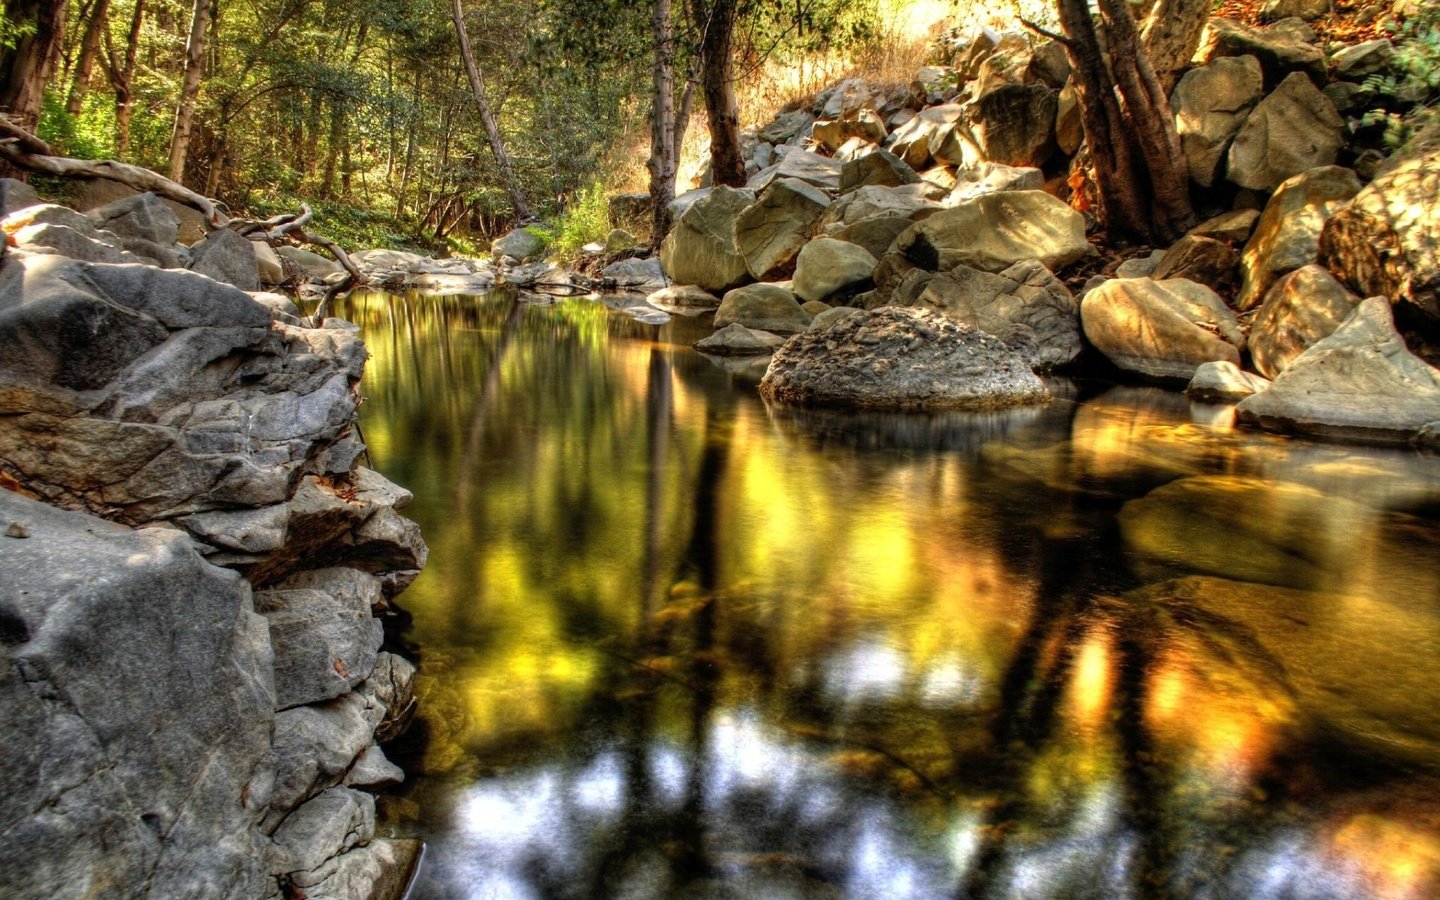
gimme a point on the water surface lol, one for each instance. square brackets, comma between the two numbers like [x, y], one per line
[675, 643]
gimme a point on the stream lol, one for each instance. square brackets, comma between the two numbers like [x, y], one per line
[674, 643]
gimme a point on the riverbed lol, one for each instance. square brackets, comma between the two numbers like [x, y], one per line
[676, 643]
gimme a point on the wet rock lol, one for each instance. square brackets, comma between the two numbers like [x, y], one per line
[1161, 329]
[226, 256]
[770, 232]
[1359, 383]
[1211, 103]
[1355, 665]
[701, 248]
[826, 268]
[1223, 382]
[737, 340]
[1302, 308]
[1388, 240]
[900, 359]
[1025, 297]
[141, 738]
[683, 299]
[1287, 236]
[1293, 130]
[995, 231]
[764, 307]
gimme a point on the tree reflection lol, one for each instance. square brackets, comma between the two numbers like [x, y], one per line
[680, 644]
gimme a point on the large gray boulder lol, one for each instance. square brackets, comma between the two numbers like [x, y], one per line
[635, 274]
[826, 268]
[1160, 329]
[910, 201]
[1302, 308]
[1011, 124]
[900, 359]
[15, 195]
[770, 232]
[226, 256]
[994, 231]
[522, 244]
[145, 225]
[684, 299]
[146, 393]
[701, 249]
[1287, 236]
[1025, 306]
[309, 263]
[1359, 383]
[136, 693]
[322, 828]
[1279, 52]
[1293, 130]
[72, 243]
[875, 233]
[1388, 240]
[881, 168]
[1211, 102]
[764, 307]
[322, 632]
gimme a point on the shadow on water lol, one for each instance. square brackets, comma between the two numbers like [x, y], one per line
[677, 643]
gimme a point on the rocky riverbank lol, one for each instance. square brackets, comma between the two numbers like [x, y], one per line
[195, 569]
[957, 194]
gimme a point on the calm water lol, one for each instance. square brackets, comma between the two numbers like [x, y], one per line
[675, 643]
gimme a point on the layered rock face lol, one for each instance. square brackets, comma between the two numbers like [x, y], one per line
[189, 640]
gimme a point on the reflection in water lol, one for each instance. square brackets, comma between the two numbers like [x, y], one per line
[676, 643]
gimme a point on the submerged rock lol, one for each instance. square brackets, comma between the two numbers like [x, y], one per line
[895, 358]
[737, 340]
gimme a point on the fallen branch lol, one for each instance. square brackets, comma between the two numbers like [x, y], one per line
[29, 152]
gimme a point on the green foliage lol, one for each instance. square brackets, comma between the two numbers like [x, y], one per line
[90, 135]
[587, 219]
[1411, 87]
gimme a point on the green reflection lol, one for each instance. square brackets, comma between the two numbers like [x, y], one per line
[960, 633]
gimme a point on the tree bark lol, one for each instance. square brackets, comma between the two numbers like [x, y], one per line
[487, 118]
[189, 89]
[89, 50]
[663, 150]
[26, 67]
[1139, 171]
[716, 21]
[122, 79]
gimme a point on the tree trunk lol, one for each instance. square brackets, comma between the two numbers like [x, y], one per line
[487, 119]
[89, 49]
[26, 67]
[664, 153]
[124, 100]
[1171, 35]
[1139, 170]
[189, 89]
[716, 21]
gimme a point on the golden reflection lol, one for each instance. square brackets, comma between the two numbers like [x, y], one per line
[1397, 860]
[1091, 689]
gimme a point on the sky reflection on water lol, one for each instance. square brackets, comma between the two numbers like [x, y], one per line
[675, 643]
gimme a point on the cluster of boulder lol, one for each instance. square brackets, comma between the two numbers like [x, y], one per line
[194, 567]
[944, 196]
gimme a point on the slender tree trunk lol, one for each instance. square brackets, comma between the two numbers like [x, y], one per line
[89, 50]
[124, 100]
[487, 119]
[1139, 170]
[26, 67]
[189, 88]
[663, 150]
[215, 166]
[716, 21]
